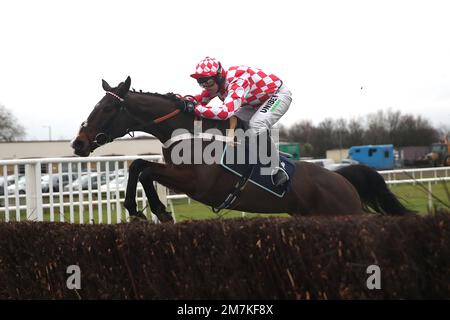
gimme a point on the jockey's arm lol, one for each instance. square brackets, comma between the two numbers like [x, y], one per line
[203, 98]
[232, 102]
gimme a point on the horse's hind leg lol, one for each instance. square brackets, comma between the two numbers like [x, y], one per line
[173, 177]
[157, 207]
[147, 172]
[141, 170]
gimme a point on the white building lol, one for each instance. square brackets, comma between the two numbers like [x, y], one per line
[337, 154]
[61, 148]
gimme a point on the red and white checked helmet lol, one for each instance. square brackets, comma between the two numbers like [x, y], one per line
[208, 67]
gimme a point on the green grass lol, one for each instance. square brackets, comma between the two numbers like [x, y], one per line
[413, 196]
[198, 211]
[416, 197]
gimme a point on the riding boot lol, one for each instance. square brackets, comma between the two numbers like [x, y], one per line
[279, 175]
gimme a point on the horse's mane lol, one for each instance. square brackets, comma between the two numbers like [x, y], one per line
[178, 99]
[170, 95]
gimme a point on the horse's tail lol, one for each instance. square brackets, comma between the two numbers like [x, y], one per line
[372, 190]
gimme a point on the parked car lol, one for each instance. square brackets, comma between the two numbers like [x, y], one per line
[20, 187]
[342, 164]
[83, 182]
[325, 163]
[45, 181]
[114, 184]
[9, 181]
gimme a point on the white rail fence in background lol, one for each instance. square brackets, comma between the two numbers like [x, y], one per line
[408, 175]
[99, 199]
[425, 176]
[46, 191]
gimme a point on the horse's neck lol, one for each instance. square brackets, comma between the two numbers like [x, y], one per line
[158, 106]
[190, 123]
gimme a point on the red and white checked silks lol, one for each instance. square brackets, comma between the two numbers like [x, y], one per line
[243, 86]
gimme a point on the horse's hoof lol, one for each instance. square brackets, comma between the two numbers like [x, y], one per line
[139, 216]
[165, 217]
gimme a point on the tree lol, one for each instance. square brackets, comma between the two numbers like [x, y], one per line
[443, 132]
[382, 127]
[377, 129]
[10, 129]
[323, 139]
[399, 129]
[302, 133]
[341, 133]
[356, 132]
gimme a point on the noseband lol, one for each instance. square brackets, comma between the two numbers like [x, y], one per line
[103, 138]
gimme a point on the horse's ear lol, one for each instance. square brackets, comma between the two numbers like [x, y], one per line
[106, 86]
[125, 87]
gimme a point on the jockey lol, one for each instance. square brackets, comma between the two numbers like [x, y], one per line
[247, 93]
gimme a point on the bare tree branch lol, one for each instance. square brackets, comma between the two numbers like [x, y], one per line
[10, 129]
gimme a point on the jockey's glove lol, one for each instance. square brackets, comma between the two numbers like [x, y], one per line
[189, 106]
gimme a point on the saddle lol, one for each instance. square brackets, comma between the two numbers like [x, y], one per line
[248, 172]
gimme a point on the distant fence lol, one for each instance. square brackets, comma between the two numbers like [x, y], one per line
[425, 176]
[415, 175]
[101, 202]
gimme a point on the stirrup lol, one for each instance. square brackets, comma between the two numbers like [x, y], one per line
[281, 181]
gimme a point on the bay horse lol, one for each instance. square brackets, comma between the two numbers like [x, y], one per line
[313, 190]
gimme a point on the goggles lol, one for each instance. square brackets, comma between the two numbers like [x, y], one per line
[206, 83]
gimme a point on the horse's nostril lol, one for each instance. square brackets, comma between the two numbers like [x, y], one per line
[77, 144]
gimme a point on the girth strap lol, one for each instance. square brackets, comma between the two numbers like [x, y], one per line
[234, 194]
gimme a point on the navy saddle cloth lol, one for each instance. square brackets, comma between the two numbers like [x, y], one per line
[263, 181]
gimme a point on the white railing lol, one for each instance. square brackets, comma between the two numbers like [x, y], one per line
[416, 174]
[425, 176]
[101, 202]
[97, 202]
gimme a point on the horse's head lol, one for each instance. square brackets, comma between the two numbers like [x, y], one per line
[104, 123]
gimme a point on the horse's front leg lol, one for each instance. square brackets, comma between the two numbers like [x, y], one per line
[135, 169]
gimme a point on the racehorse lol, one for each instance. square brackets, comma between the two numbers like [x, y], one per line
[313, 190]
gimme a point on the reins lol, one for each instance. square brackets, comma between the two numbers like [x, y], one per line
[155, 121]
[103, 138]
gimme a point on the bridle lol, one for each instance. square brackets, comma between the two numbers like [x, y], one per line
[103, 138]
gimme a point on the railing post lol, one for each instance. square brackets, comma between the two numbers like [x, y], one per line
[34, 192]
[162, 193]
[430, 198]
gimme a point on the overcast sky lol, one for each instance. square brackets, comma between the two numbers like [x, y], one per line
[339, 58]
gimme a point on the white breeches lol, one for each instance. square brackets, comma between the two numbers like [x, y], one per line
[263, 118]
